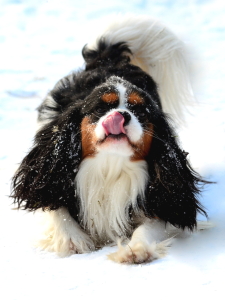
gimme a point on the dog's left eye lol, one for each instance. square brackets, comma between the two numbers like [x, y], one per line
[101, 109]
[140, 112]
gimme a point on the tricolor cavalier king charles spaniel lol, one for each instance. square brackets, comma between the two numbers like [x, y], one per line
[106, 166]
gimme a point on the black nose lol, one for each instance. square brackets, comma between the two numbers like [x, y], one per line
[126, 116]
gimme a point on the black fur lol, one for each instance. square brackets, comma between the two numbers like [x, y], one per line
[45, 178]
[172, 192]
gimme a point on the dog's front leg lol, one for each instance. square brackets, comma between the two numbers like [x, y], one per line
[148, 242]
[64, 235]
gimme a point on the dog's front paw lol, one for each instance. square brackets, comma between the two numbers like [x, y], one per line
[81, 244]
[64, 244]
[139, 252]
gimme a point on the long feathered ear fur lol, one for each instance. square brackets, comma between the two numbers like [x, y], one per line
[45, 178]
[171, 194]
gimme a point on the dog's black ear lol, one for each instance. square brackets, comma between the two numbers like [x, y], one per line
[173, 188]
[45, 178]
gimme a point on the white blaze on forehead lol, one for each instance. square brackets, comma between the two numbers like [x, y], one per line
[122, 95]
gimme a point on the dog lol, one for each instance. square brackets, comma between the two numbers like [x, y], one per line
[106, 166]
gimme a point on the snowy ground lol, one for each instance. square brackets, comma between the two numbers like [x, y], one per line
[40, 41]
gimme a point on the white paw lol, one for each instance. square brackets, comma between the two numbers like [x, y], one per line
[65, 245]
[81, 244]
[140, 252]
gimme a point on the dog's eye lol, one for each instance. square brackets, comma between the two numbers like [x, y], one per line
[140, 112]
[101, 109]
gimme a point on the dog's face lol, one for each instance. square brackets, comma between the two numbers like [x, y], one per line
[117, 120]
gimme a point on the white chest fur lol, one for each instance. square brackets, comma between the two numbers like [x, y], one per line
[108, 185]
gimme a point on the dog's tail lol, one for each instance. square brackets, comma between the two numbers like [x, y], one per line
[157, 51]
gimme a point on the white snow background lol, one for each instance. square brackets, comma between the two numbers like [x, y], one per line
[40, 42]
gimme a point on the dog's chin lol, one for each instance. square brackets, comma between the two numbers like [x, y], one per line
[116, 144]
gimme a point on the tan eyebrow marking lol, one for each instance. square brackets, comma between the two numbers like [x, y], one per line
[135, 98]
[110, 97]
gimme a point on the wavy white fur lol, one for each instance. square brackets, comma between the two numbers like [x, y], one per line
[159, 52]
[105, 211]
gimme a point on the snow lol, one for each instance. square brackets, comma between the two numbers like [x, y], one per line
[41, 41]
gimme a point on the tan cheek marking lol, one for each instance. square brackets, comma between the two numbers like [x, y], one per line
[88, 139]
[142, 148]
[135, 98]
[110, 97]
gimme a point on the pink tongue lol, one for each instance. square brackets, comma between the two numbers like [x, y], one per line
[113, 124]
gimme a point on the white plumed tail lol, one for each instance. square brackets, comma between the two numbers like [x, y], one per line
[157, 51]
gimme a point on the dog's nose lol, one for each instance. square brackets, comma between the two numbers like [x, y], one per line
[127, 117]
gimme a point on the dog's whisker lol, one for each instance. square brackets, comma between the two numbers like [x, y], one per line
[152, 134]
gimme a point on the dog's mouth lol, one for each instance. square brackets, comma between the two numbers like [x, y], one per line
[114, 138]
[113, 127]
[116, 131]
[114, 124]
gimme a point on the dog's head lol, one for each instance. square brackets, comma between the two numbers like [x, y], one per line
[117, 120]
